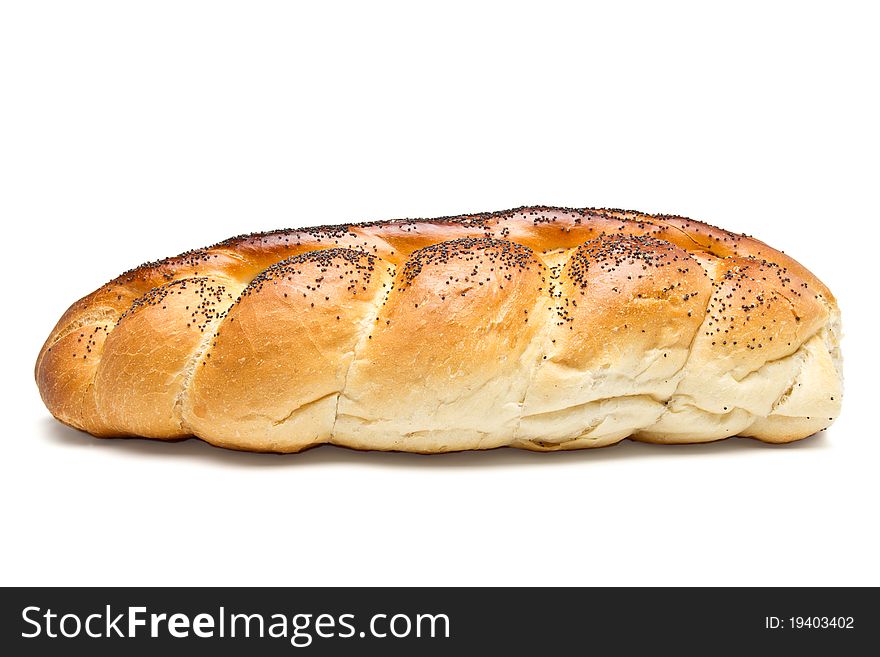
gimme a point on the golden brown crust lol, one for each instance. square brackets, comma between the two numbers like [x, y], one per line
[655, 326]
[604, 372]
[288, 341]
[147, 356]
[423, 382]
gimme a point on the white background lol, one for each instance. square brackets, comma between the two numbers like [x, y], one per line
[132, 131]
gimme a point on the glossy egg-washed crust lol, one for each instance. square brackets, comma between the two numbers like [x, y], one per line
[542, 328]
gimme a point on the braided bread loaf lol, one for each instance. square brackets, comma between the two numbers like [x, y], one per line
[542, 328]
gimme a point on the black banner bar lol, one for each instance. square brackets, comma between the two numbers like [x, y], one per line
[427, 621]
